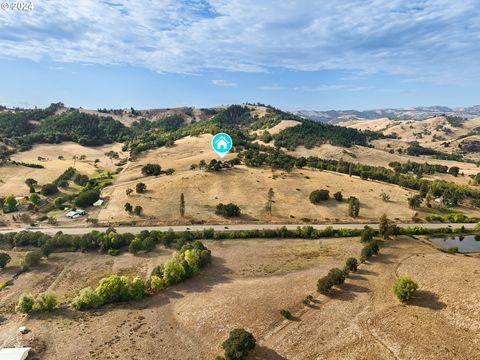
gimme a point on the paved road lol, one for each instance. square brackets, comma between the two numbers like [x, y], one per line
[138, 229]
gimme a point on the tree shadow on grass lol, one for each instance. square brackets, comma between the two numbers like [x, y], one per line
[427, 299]
[384, 258]
[355, 276]
[265, 353]
[364, 271]
[354, 288]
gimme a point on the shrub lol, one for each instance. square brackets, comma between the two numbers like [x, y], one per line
[46, 302]
[453, 249]
[148, 244]
[49, 189]
[238, 345]
[135, 245]
[367, 234]
[338, 196]
[140, 188]
[156, 284]
[351, 264]
[87, 198]
[324, 285]
[137, 289]
[318, 196]
[228, 210]
[307, 300]
[173, 271]
[286, 313]
[87, 299]
[137, 210]
[151, 170]
[114, 289]
[25, 304]
[4, 259]
[404, 288]
[113, 252]
[353, 206]
[336, 276]
[32, 258]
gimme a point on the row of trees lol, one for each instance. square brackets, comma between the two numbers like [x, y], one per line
[437, 188]
[183, 264]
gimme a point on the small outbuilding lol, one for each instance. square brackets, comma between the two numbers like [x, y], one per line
[20, 353]
[99, 202]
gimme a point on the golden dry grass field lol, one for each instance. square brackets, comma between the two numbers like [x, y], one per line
[246, 285]
[246, 187]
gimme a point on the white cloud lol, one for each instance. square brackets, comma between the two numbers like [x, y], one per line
[274, 87]
[224, 83]
[434, 39]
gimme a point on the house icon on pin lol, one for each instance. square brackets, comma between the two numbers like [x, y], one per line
[221, 144]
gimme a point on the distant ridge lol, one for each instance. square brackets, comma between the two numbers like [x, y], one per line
[416, 113]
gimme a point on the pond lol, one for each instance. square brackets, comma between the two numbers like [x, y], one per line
[465, 244]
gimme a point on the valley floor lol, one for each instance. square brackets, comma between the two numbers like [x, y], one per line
[247, 284]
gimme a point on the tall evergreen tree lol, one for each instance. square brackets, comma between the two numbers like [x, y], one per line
[182, 205]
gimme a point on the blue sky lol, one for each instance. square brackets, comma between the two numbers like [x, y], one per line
[339, 54]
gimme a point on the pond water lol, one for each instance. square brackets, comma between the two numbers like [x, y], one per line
[467, 243]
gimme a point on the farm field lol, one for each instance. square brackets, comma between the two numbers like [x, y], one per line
[246, 285]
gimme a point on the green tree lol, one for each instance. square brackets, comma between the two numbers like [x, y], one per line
[137, 289]
[182, 205]
[137, 210]
[45, 302]
[318, 196]
[11, 203]
[351, 264]
[31, 182]
[47, 248]
[128, 207]
[415, 201]
[151, 170]
[87, 198]
[324, 285]
[353, 206]
[228, 210]
[383, 226]
[87, 299]
[34, 199]
[114, 289]
[269, 204]
[135, 245]
[25, 304]
[4, 259]
[404, 288]
[337, 276]
[173, 271]
[156, 284]
[338, 196]
[128, 192]
[49, 189]
[140, 188]
[454, 170]
[31, 259]
[238, 345]
[148, 244]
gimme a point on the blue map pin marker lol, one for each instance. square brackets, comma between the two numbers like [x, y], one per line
[222, 144]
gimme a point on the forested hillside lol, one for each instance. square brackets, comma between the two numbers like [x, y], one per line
[21, 129]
